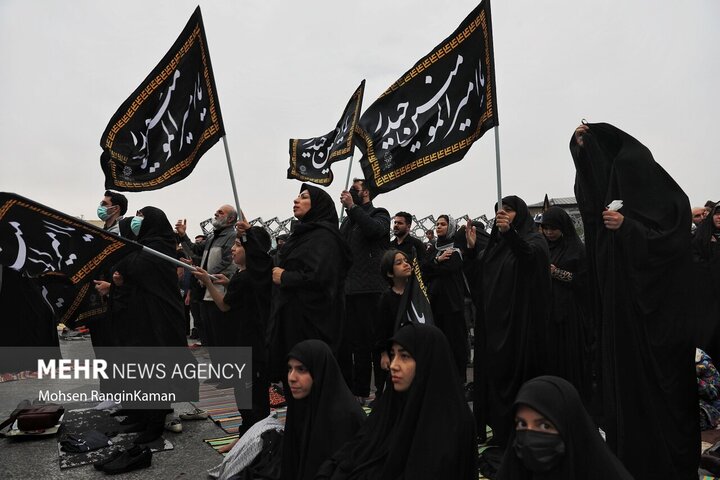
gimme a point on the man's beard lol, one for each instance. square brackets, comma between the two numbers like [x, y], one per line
[218, 223]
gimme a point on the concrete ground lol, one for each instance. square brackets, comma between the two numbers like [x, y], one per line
[38, 458]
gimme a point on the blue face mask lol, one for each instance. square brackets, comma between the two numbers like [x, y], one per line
[102, 213]
[135, 225]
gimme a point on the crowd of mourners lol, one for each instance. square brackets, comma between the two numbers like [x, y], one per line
[590, 359]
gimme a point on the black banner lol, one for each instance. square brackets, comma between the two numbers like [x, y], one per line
[38, 240]
[310, 158]
[160, 132]
[433, 113]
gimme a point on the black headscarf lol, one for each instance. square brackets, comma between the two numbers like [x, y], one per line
[125, 230]
[586, 454]
[424, 433]
[322, 422]
[156, 231]
[704, 234]
[568, 250]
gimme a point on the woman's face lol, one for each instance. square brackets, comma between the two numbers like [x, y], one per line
[238, 253]
[551, 233]
[510, 211]
[299, 379]
[401, 267]
[301, 205]
[716, 219]
[527, 418]
[441, 227]
[402, 368]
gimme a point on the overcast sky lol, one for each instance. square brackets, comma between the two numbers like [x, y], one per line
[286, 68]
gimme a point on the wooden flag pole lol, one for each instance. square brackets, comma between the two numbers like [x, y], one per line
[497, 165]
[347, 185]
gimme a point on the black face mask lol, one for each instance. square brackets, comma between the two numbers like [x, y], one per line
[355, 196]
[539, 451]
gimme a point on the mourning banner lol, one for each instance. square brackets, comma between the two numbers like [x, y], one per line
[433, 113]
[38, 240]
[310, 158]
[160, 132]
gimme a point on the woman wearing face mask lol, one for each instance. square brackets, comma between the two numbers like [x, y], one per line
[446, 289]
[555, 438]
[322, 412]
[422, 427]
[308, 293]
[569, 327]
[511, 284]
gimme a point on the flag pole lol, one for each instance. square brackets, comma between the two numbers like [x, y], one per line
[232, 177]
[497, 165]
[347, 185]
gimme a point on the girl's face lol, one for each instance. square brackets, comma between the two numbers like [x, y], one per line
[551, 233]
[299, 379]
[238, 253]
[528, 418]
[401, 267]
[402, 368]
[441, 227]
[302, 205]
[716, 219]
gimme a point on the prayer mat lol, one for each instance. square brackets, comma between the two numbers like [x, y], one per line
[220, 406]
[9, 377]
[85, 419]
[218, 443]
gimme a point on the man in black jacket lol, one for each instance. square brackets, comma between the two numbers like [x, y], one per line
[404, 241]
[367, 231]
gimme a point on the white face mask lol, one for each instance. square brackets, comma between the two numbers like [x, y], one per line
[135, 225]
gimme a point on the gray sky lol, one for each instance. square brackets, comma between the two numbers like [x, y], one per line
[286, 68]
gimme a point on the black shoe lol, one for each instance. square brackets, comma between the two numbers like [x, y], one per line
[133, 459]
[113, 456]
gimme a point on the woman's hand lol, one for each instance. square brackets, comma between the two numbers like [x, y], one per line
[612, 219]
[103, 288]
[277, 275]
[118, 279]
[385, 361]
[202, 275]
[579, 132]
[470, 234]
[502, 220]
[444, 256]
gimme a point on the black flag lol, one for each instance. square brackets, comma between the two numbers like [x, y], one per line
[310, 158]
[38, 240]
[160, 132]
[432, 114]
[414, 304]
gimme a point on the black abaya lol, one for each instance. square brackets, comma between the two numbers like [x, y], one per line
[705, 305]
[513, 279]
[586, 454]
[639, 276]
[423, 433]
[322, 422]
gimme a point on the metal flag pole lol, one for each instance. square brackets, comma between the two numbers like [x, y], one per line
[347, 185]
[497, 165]
[232, 177]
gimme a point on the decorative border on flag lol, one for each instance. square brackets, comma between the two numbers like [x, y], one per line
[299, 176]
[356, 118]
[145, 94]
[90, 266]
[480, 20]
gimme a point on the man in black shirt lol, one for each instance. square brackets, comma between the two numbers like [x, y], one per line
[404, 241]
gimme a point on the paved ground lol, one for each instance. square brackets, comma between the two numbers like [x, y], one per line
[38, 458]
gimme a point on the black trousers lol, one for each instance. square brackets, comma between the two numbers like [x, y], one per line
[453, 326]
[355, 356]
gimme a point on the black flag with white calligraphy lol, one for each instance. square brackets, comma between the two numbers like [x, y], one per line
[432, 114]
[160, 132]
[310, 158]
[414, 303]
[38, 240]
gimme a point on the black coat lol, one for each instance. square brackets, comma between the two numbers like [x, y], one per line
[367, 231]
[639, 275]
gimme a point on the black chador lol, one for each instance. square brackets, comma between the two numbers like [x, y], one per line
[569, 328]
[639, 275]
[705, 302]
[309, 302]
[513, 281]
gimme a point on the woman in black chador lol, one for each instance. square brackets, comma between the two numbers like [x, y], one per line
[154, 314]
[308, 298]
[322, 412]
[639, 259]
[555, 438]
[568, 330]
[422, 427]
[511, 288]
[706, 281]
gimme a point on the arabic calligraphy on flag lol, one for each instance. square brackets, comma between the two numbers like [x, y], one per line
[310, 158]
[38, 240]
[160, 132]
[433, 113]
